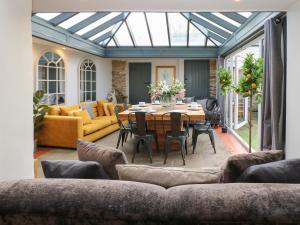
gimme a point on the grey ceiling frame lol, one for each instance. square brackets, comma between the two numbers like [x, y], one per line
[116, 42]
[61, 18]
[114, 32]
[235, 16]
[148, 28]
[168, 29]
[77, 27]
[104, 26]
[218, 21]
[103, 37]
[188, 33]
[130, 34]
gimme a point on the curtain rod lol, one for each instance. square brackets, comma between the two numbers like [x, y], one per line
[279, 18]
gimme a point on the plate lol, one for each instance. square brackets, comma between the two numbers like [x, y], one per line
[178, 111]
[142, 105]
[134, 109]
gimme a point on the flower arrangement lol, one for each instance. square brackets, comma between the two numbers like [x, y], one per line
[163, 91]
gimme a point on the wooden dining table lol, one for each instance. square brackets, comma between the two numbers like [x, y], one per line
[156, 121]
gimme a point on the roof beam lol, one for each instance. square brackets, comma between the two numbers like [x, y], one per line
[148, 28]
[61, 18]
[103, 37]
[168, 29]
[210, 26]
[218, 21]
[87, 21]
[116, 30]
[104, 26]
[130, 34]
[235, 16]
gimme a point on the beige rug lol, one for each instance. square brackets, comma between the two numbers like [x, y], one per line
[204, 155]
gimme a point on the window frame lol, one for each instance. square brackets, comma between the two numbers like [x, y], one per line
[84, 81]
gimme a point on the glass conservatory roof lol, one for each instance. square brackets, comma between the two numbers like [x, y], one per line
[150, 29]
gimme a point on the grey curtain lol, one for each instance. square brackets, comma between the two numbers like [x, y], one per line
[273, 105]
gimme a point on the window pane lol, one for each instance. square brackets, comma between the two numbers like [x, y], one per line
[61, 74]
[43, 86]
[88, 75]
[52, 87]
[88, 96]
[82, 97]
[43, 61]
[138, 26]
[75, 19]
[94, 76]
[52, 73]
[123, 36]
[61, 98]
[158, 28]
[61, 63]
[178, 29]
[94, 96]
[88, 86]
[94, 86]
[82, 86]
[42, 73]
[52, 99]
[61, 87]
[196, 38]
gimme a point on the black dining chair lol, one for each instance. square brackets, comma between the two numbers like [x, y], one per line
[125, 129]
[176, 133]
[203, 128]
[142, 134]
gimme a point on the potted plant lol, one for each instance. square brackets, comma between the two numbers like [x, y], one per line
[225, 79]
[39, 111]
[249, 85]
[121, 98]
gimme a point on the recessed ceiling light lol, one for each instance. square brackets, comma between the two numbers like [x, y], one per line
[237, 0]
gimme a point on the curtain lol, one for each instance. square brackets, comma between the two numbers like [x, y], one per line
[273, 104]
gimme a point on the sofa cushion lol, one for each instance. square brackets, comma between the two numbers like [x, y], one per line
[283, 171]
[94, 126]
[66, 109]
[73, 169]
[168, 176]
[54, 111]
[108, 157]
[84, 115]
[236, 164]
[106, 108]
[100, 107]
[71, 113]
[89, 109]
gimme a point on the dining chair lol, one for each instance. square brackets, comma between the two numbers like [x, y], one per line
[176, 133]
[125, 129]
[142, 134]
[203, 128]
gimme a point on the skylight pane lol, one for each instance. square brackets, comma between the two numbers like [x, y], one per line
[137, 25]
[101, 33]
[245, 14]
[158, 28]
[221, 16]
[75, 19]
[210, 44]
[211, 22]
[111, 43]
[98, 23]
[178, 29]
[196, 38]
[47, 16]
[123, 36]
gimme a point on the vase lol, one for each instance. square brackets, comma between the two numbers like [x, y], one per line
[167, 101]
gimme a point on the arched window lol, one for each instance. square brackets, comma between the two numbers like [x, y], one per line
[51, 78]
[87, 81]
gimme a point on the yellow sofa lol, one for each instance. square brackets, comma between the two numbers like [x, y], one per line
[61, 130]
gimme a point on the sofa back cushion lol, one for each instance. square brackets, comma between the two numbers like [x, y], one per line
[66, 109]
[236, 164]
[91, 107]
[84, 115]
[73, 169]
[283, 171]
[54, 111]
[108, 157]
[167, 176]
[100, 108]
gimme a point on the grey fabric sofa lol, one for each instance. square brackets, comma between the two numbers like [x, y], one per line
[52, 201]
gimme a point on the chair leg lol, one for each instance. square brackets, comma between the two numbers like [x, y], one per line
[185, 145]
[195, 138]
[182, 150]
[156, 142]
[123, 138]
[212, 140]
[126, 136]
[119, 138]
[166, 149]
[149, 149]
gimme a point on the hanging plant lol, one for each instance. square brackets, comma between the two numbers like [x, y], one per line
[225, 79]
[250, 84]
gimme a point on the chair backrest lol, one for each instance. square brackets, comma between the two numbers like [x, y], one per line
[211, 103]
[116, 110]
[141, 128]
[176, 122]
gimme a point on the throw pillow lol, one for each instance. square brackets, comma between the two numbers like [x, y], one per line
[73, 169]
[71, 113]
[236, 164]
[65, 109]
[100, 107]
[106, 109]
[166, 176]
[89, 109]
[108, 157]
[84, 115]
[111, 108]
[284, 171]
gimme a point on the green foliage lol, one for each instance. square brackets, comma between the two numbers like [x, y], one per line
[39, 110]
[121, 98]
[225, 79]
[250, 83]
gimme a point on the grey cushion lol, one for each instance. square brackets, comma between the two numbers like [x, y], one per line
[108, 157]
[167, 176]
[73, 169]
[284, 171]
[89, 109]
[236, 164]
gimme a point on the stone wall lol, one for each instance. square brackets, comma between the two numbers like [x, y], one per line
[119, 70]
[212, 77]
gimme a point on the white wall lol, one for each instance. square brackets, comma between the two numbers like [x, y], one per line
[293, 81]
[16, 126]
[72, 59]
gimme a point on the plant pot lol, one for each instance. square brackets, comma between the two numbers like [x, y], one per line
[166, 102]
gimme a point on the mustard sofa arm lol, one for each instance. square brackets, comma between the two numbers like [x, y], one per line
[60, 131]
